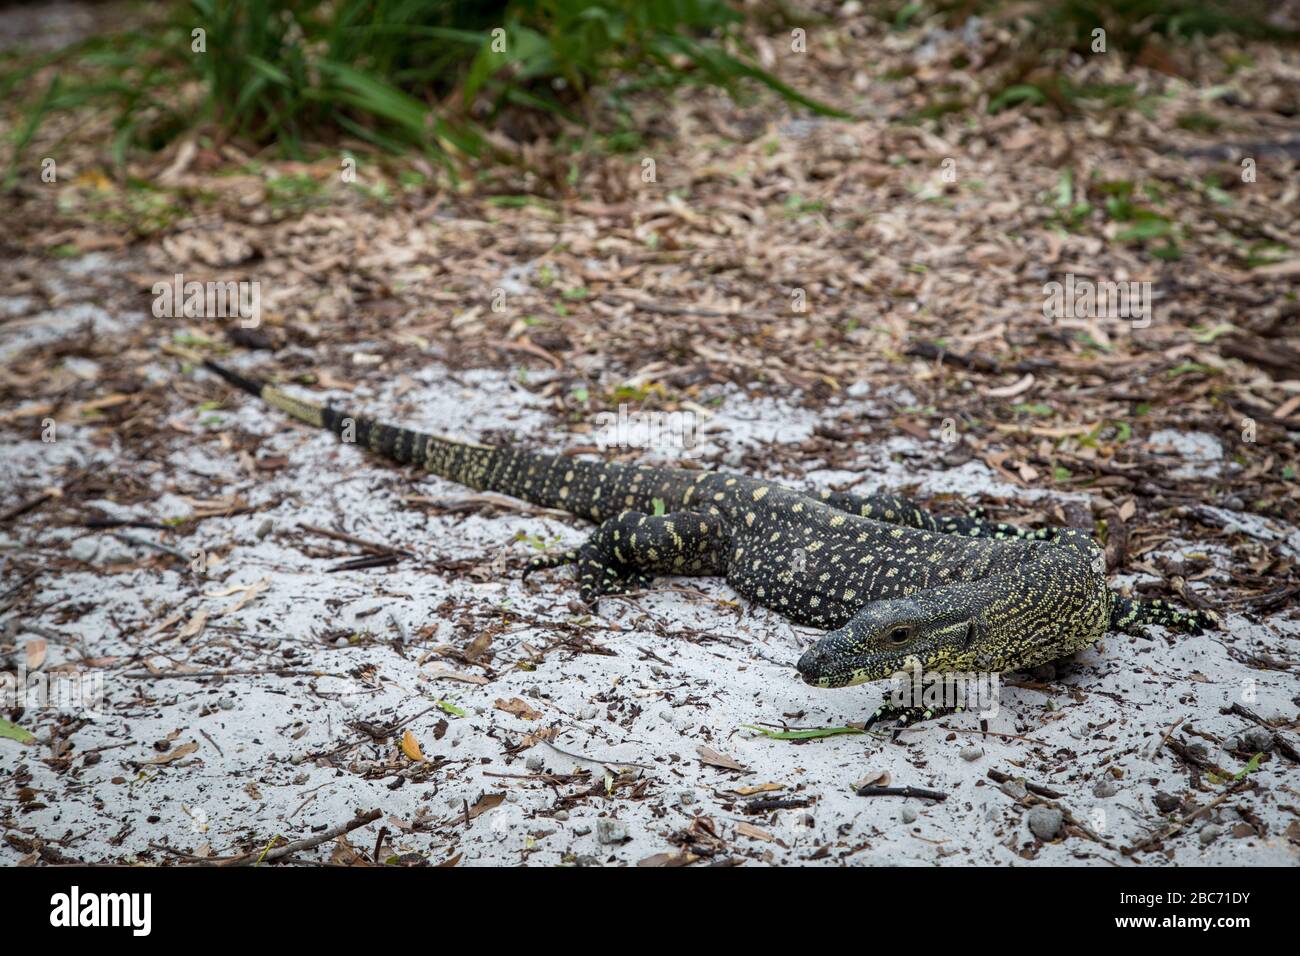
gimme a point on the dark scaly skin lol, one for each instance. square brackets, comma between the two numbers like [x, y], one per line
[895, 585]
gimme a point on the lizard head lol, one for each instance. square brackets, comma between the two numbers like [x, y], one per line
[889, 636]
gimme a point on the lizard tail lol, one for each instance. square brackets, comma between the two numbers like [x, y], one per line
[1129, 615]
[551, 481]
[467, 463]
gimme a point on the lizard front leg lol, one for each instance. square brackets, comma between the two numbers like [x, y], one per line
[626, 551]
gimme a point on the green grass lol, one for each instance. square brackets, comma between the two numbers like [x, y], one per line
[398, 74]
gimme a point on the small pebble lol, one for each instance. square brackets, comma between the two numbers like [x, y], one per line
[84, 549]
[226, 703]
[1256, 739]
[561, 815]
[265, 528]
[535, 762]
[1210, 833]
[686, 797]
[1105, 788]
[1167, 802]
[907, 815]
[1045, 822]
[971, 753]
[609, 830]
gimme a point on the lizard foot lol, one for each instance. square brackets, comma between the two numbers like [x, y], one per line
[596, 575]
[906, 716]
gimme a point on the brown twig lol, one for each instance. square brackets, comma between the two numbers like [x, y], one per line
[917, 792]
[307, 843]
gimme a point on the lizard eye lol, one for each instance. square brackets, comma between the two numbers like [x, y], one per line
[899, 636]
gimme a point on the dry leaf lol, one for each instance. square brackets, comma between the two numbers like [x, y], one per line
[1010, 391]
[669, 859]
[457, 675]
[517, 707]
[183, 750]
[489, 801]
[714, 759]
[411, 746]
[758, 788]
[753, 832]
[195, 625]
[550, 733]
[874, 778]
[34, 652]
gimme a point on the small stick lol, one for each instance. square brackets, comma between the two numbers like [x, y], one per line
[369, 561]
[145, 543]
[1169, 733]
[351, 539]
[307, 843]
[902, 792]
[997, 776]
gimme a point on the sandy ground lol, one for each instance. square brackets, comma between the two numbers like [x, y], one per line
[213, 766]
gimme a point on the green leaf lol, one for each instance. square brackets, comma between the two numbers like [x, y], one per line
[1015, 95]
[1250, 767]
[14, 732]
[450, 709]
[1033, 408]
[1146, 229]
[659, 506]
[812, 733]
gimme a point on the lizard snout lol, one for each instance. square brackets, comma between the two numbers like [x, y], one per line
[812, 664]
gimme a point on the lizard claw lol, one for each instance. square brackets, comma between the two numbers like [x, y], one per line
[543, 561]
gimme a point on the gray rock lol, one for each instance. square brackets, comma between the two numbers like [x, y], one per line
[971, 753]
[907, 815]
[535, 762]
[1256, 739]
[84, 549]
[1015, 789]
[609, 830]
[686, 797]
[1167, 802]
[265, 528]
[226, 703]
[581, 830]
[1209, 833]
[1045, 822]
[1105, 788]
[561, 815]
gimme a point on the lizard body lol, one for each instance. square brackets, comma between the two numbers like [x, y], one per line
[895, 585]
